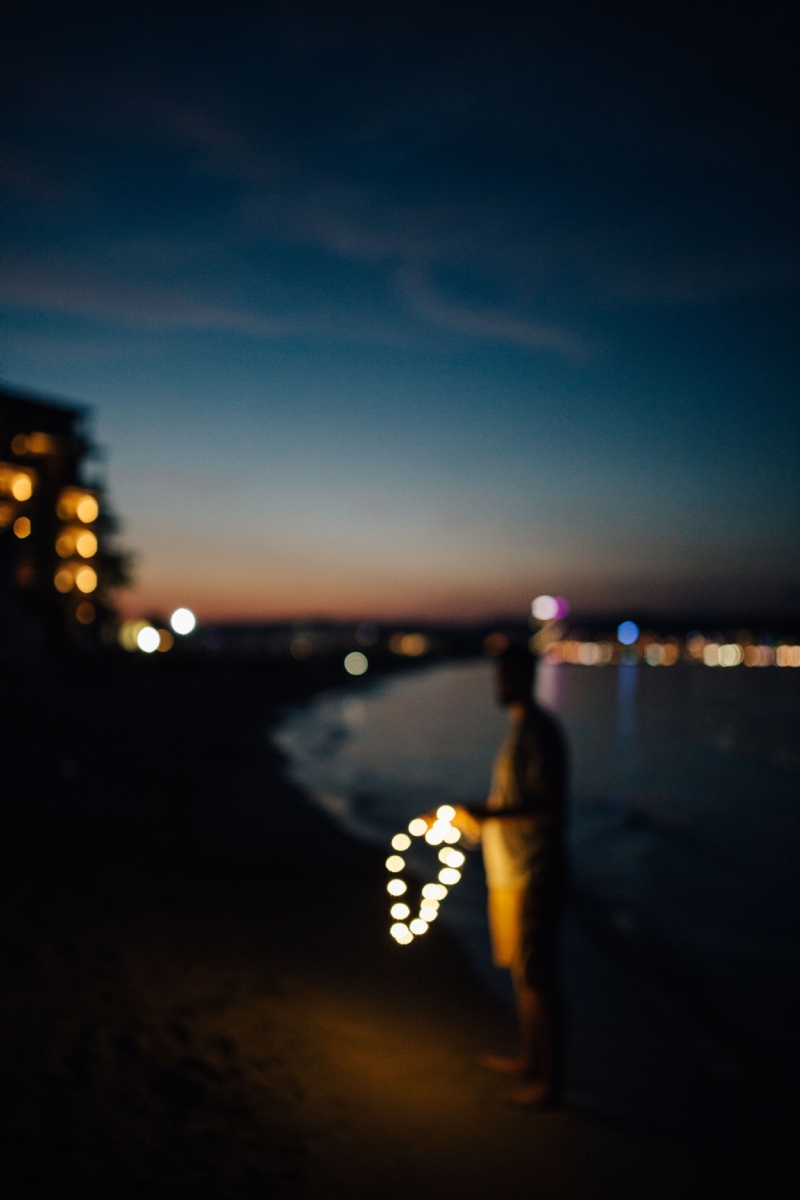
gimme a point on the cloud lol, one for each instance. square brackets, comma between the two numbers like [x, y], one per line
[485, 324]
[91, 295]
[156, 308]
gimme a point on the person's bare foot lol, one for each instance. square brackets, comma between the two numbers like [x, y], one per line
[504, 1066]
[532, 1095]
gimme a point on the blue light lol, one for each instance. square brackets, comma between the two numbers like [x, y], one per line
[628, 632]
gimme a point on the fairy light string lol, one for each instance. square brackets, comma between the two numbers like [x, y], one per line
[442, 833]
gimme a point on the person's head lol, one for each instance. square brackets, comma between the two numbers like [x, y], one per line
[514, 676]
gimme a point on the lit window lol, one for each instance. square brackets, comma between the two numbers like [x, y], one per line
[86, 579]
[86, 544]
[87, 510]
[22, 488]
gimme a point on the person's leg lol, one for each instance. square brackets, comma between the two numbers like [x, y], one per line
[535, 1057]
[538, 1040]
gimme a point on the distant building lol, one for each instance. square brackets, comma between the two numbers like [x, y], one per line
[56, 567]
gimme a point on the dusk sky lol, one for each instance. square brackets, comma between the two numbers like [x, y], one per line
[418, 309]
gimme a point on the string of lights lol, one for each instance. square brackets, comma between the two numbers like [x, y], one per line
[441, 833]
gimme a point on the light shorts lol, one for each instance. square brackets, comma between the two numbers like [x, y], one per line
[524, 923]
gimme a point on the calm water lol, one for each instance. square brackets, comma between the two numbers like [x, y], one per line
[685, 820]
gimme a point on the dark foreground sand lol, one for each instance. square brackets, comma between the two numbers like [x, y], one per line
[202, 999]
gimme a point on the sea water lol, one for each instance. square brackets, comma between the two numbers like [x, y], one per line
[684, 816]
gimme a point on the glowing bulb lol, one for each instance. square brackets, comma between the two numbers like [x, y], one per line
[446, 813]
[87, 510]
[395, 863]
[183, 621]
[21, 488]
[434, 891]
[86, 579]
[355, 663]
[401, 841]
[451, 834]
[399, 911]
[148, 639]
[427, 912]
[418, 926]
[417, 827]
[397, 887]
[449, 876]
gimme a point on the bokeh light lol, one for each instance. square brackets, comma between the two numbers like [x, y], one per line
[401, 933]
[165, 641]
[451, 834]
[711, 654]
[86, 579]
[22, 527]
[22, 487]
[400, 911]
[434, 836]
[63, 580]
[427, 911]
[545, 608]
[417, 827]
[86, 544]
[627, 633]
[183, 621]
[128, 634]
[87, 510]
[731, 655]
[401, 841]
[434, 891]
[418, 926]
[395, 863]
[449, 876]
[446, 812]
[85, 612]
[495, 643]
[451, 858]
[355, 663]
[147, 639]
[397, 887]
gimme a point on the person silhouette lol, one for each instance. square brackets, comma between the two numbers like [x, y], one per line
[521, 827]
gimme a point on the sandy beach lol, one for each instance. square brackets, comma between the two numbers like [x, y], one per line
[202, 998]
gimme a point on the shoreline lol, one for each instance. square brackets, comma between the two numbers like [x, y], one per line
[202, 997]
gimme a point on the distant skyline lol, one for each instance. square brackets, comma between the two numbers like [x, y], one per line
[419, 310]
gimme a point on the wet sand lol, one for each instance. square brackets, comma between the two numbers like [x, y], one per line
[202, 999]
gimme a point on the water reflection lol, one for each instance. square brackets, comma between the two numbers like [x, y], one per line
[627, 678]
